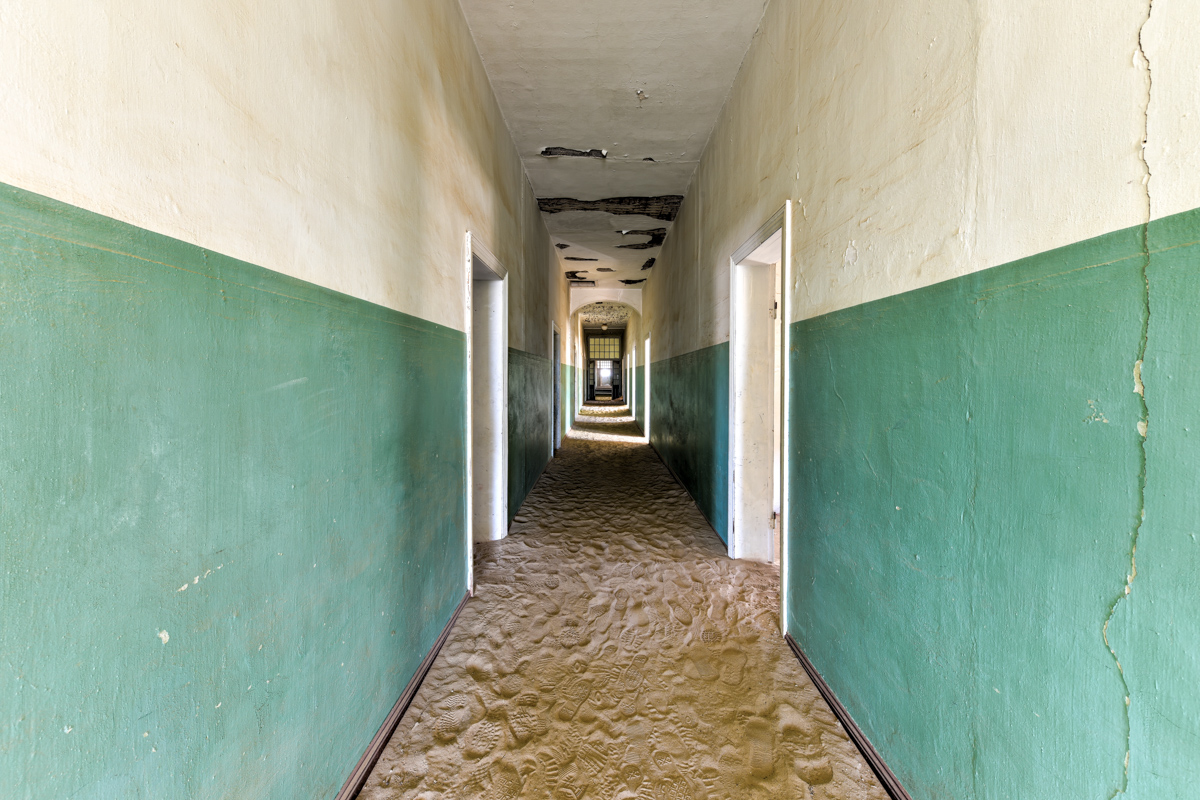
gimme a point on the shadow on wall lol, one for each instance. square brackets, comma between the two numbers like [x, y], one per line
[689, 400]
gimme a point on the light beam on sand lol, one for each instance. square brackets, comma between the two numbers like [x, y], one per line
[590, 436]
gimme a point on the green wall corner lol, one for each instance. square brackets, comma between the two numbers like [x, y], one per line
[689, 411]
[232, 521]
[530, 399]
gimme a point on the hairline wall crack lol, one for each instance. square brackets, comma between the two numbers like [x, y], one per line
[1139, 387]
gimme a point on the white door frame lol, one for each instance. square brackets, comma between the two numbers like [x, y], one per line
[781, 222]
[474, 248]
[556, 388]
[646, 399]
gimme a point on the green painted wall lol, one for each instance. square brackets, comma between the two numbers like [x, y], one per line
[173, 418]
[689, 410]
[966, 482]
[530, 398]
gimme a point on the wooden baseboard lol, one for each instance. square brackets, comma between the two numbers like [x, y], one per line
[362, 770]
[887, 778]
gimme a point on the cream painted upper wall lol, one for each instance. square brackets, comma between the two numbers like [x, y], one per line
[927, 140]
[347, 144]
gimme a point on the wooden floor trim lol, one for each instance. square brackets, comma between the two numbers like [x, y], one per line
[891, 784]
[362, 770]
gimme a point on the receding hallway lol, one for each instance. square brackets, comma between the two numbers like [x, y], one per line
[612, 651]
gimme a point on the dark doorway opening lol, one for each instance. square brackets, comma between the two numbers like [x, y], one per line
[556, 434]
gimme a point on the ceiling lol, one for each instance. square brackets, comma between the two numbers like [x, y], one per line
[614, 315]
[611, 105]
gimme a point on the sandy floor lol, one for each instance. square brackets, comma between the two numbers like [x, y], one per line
[613, 652]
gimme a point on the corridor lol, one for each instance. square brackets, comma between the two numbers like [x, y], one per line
[614, 651]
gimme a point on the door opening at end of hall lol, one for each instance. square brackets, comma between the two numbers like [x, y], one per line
[604, 366]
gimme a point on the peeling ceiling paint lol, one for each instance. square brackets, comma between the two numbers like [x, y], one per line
[605, 313]
[611, 106]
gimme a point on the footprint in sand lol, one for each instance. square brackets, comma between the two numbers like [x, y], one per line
[679, 611]
[450, 724]
[506, 782]
[573, 693]
[733, 667]
[814, 772]
[571, 634]
[481, 739]
[699, 666]
[525, 724]
[760, 748]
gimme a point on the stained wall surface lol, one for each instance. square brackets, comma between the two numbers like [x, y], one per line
[282, 193]
[990, 559]
[233, 518]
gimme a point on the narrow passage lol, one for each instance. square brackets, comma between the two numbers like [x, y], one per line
[613, 651]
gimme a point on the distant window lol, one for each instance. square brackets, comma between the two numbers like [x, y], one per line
[608, 347]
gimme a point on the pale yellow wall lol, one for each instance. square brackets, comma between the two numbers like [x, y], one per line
[927, 140]
[347, 144]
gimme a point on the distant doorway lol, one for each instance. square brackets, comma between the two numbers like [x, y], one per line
[604, 366]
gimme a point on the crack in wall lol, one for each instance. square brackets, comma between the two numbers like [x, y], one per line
[1143, 425]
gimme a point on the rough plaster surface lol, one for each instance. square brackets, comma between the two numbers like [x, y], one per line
[216, 528]
[350, 145]
[626, 662]
[923, 142]
[639, 80]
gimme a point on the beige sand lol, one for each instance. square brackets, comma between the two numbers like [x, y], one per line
[613, 651]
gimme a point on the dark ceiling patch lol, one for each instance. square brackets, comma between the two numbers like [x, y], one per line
[663, 207]
[631, 283]
[561, 246]
[576, 275]
[647, 158]
[578, 258]
[570, 153]
[604, 269]
[649, 263]
[656, 239]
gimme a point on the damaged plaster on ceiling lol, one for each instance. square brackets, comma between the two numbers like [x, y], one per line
[610, 107]
[614, 315]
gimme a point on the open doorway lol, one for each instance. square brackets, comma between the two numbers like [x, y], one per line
[556, 415]
[604, 365]
[757, 342]
[487, 389]
[646, 391]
